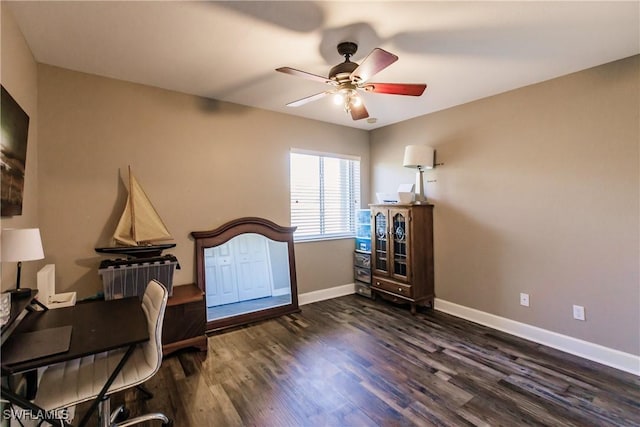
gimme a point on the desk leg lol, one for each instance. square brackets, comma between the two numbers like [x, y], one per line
[31, 377]
[36, 410]
[36, 302]
[104, 390]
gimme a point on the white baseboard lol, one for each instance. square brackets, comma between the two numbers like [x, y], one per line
[323, 294]
[607, 356]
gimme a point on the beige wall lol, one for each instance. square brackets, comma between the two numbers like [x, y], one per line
[539, 194]
[18, 74]
[202, 163]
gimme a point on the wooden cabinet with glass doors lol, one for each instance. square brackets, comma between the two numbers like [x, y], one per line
[402, 253]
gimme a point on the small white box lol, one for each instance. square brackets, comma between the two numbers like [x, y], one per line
[405, 193]
[66, 299]
[387, 198]
[406, 188]
[405, 198]
[46, 281]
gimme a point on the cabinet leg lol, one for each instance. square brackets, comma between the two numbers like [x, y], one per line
[203, 344]
[413, 308]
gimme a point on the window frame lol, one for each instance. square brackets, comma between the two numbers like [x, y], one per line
[355, 189]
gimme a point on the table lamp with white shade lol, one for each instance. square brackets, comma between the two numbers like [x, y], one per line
[419, 157]
[21, 245]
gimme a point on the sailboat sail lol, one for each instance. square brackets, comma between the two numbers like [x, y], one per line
[140, 222]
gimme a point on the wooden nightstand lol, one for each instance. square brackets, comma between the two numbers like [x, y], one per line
[184, 320]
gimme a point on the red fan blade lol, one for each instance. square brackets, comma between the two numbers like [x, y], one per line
[303, 101]
[358, 112]
[396, 88]
[305, 75]
[375, 62]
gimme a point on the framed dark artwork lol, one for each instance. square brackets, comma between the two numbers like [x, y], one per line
[13, 154]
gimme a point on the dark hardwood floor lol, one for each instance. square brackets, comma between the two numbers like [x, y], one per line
[351, 361]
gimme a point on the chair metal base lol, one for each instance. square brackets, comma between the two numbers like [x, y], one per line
[145, 417]
[108, 419]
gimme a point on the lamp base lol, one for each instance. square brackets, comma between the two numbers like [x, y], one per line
[20, 293]
[420, 198]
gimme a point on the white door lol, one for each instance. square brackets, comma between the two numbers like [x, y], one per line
[252, 266]
[238, 270]
[220, 275]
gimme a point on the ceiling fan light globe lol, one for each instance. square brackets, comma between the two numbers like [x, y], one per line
[338, 99]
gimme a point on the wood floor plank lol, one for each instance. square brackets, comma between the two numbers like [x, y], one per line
[352, 361]
[228, 415]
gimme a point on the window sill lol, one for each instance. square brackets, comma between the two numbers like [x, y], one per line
[322, 239]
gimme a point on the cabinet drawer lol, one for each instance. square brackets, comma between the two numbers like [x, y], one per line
[362, 260]
[363, 244]
[362, 274]
[363, 289]
[396, 288]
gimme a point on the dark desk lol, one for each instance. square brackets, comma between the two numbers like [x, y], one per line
[98, 326]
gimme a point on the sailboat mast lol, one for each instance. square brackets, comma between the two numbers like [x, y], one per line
[133, 211]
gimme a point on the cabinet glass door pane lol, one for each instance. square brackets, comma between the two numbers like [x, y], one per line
[381, 256]
[399, 245]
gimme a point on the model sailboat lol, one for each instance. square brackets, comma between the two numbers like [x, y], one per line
[140, 227]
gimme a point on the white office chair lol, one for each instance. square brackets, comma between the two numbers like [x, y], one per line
[80, 380]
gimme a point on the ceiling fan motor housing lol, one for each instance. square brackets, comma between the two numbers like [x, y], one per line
[341, 72]
[347, 48]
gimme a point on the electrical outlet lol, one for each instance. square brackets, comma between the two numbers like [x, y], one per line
[524, 299]
[578, 312]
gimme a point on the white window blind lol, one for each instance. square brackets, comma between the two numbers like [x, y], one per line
[325, 193]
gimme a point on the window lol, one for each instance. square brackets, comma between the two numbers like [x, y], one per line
[325, 193]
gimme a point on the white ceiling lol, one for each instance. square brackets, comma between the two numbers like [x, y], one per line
[228, 50]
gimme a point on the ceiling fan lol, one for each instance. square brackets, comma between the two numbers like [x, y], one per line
[348, 77]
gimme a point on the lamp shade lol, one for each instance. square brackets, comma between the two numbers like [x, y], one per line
[418, 156]
[22, 244]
